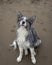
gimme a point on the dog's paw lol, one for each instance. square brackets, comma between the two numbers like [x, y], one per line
[19, 59]
[34, 61]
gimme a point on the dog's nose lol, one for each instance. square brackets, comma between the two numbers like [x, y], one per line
[23, 22]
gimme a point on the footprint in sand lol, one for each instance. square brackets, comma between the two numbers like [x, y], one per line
[44, 29]
[12, 30]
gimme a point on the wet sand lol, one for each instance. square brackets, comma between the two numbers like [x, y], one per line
[43, 25]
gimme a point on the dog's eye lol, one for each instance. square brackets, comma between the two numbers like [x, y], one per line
[26, 20]
[19, 19]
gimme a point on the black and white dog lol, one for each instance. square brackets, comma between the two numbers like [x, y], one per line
[27, 37]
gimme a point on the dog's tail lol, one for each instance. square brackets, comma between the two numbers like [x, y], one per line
[14, 44]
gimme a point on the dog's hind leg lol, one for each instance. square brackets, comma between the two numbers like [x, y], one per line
[38, 43]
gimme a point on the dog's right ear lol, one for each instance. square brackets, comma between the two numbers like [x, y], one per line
[31, 19]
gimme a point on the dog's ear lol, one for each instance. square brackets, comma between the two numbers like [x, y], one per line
[20, 14]
[32, 19]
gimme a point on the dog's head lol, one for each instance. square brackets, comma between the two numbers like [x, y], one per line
[25, 21]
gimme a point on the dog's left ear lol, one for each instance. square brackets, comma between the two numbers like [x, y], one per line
[20, 14]
[32, 19]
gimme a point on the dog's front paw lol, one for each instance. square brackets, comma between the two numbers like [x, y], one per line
[19, 59]
[33, 60]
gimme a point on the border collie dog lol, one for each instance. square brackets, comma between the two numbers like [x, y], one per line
[27, 37]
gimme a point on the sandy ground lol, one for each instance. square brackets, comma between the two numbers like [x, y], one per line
[43, 25]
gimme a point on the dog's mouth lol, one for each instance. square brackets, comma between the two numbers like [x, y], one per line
[23, 25]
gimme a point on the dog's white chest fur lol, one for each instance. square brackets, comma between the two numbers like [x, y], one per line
[22, 33]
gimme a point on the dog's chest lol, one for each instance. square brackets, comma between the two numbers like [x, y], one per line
[22, 34]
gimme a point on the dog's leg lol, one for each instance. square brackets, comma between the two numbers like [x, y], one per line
[26, 52]
[20, 55]
[32, 55]
[14, 45]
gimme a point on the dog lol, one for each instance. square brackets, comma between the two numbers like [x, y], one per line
[27, 37]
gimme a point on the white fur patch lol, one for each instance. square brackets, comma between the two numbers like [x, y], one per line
[22, 33]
